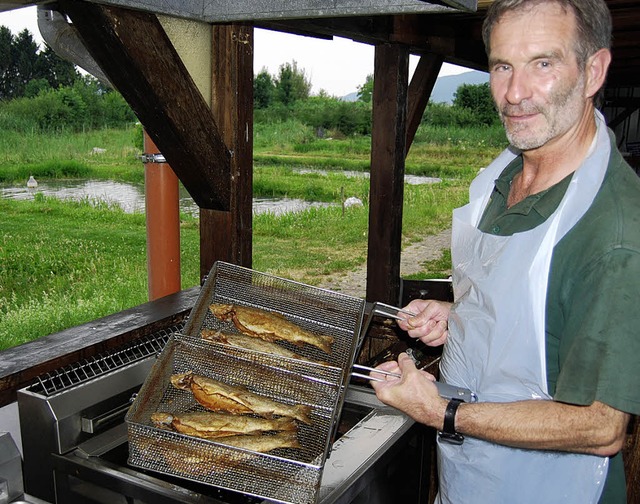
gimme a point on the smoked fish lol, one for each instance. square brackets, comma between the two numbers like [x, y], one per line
[219, 396]
[209, 425]
[264, 443]
[252, 343]
[269, 326]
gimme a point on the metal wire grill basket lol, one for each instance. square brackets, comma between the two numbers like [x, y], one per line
[320, 311]
[290, 475]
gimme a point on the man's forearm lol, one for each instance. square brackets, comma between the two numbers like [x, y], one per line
[546, 425]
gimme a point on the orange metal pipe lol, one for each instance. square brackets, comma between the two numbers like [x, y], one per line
[163, 225]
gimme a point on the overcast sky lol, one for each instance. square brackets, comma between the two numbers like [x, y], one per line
[337, 66]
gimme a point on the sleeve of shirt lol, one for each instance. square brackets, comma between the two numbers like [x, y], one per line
[599, 353]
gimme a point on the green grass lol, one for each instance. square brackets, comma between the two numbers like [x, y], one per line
[67, 263]
[70, 155]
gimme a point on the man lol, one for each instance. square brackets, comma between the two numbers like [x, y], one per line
[546, 257]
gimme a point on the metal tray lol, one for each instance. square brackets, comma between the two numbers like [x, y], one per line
[318, 310]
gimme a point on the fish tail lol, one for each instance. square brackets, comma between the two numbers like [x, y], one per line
[325, 343]
[302, 412]
[162, 420]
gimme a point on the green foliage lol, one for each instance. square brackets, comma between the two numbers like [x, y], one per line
[21, 62]
[291, 84]
[55, 259]
[476, 100]
[325, 115]
[461, 136]
[264, 89]
[278, 133]
[84, 260]
[70, 155]
[83, 105]
[365, 92]
[349, 118]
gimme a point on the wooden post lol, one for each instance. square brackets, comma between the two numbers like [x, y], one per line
[389, 133]
[227, 235]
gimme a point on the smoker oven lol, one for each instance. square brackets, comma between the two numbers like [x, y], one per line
[75, 441]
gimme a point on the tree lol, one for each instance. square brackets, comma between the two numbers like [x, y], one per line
[7, 68]
[24, 55]
[263, 89]
[21, 62]
[477, 99]
[57, 71]
[292, 84]
[365, 92]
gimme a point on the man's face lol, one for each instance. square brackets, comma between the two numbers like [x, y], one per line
[536, 83]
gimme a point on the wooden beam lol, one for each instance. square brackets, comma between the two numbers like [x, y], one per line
[227, 235]
[422, 82]
[137, 56]
[389, 134]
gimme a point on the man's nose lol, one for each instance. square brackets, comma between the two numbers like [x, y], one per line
[518, 87]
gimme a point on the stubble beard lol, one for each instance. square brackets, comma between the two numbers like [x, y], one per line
[563, 110]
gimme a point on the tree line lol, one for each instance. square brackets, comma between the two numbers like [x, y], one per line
[41, 91]
[25, 69]
[286, 96]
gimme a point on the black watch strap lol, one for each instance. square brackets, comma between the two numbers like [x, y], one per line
[448, 432]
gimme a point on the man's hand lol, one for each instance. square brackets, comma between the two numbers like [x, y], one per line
[429, 325]
[414, 393]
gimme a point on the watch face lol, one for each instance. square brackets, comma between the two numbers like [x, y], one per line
[455, 438]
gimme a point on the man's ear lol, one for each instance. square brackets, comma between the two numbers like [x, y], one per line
[596, 71]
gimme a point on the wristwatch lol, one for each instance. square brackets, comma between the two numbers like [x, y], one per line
[448, 432]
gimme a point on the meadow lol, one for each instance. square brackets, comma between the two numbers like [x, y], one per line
[64, 263]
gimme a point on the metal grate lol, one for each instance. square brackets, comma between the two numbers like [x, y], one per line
[79, 372]
[290, 475]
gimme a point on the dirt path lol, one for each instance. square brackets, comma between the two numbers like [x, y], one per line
[354, 282]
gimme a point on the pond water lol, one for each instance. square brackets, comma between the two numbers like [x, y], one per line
[130, 197]
[408, 179]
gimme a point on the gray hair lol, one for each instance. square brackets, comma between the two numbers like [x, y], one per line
[593, 21]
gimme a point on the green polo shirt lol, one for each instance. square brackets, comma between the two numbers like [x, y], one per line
[593, 299]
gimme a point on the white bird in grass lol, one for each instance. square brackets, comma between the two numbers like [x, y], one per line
[32, 183]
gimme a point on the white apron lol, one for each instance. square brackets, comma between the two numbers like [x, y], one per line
[496, 345]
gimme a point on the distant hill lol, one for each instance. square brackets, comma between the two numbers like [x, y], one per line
[445, 87]
[350, 97]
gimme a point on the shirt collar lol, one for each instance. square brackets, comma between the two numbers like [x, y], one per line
[544, 203]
